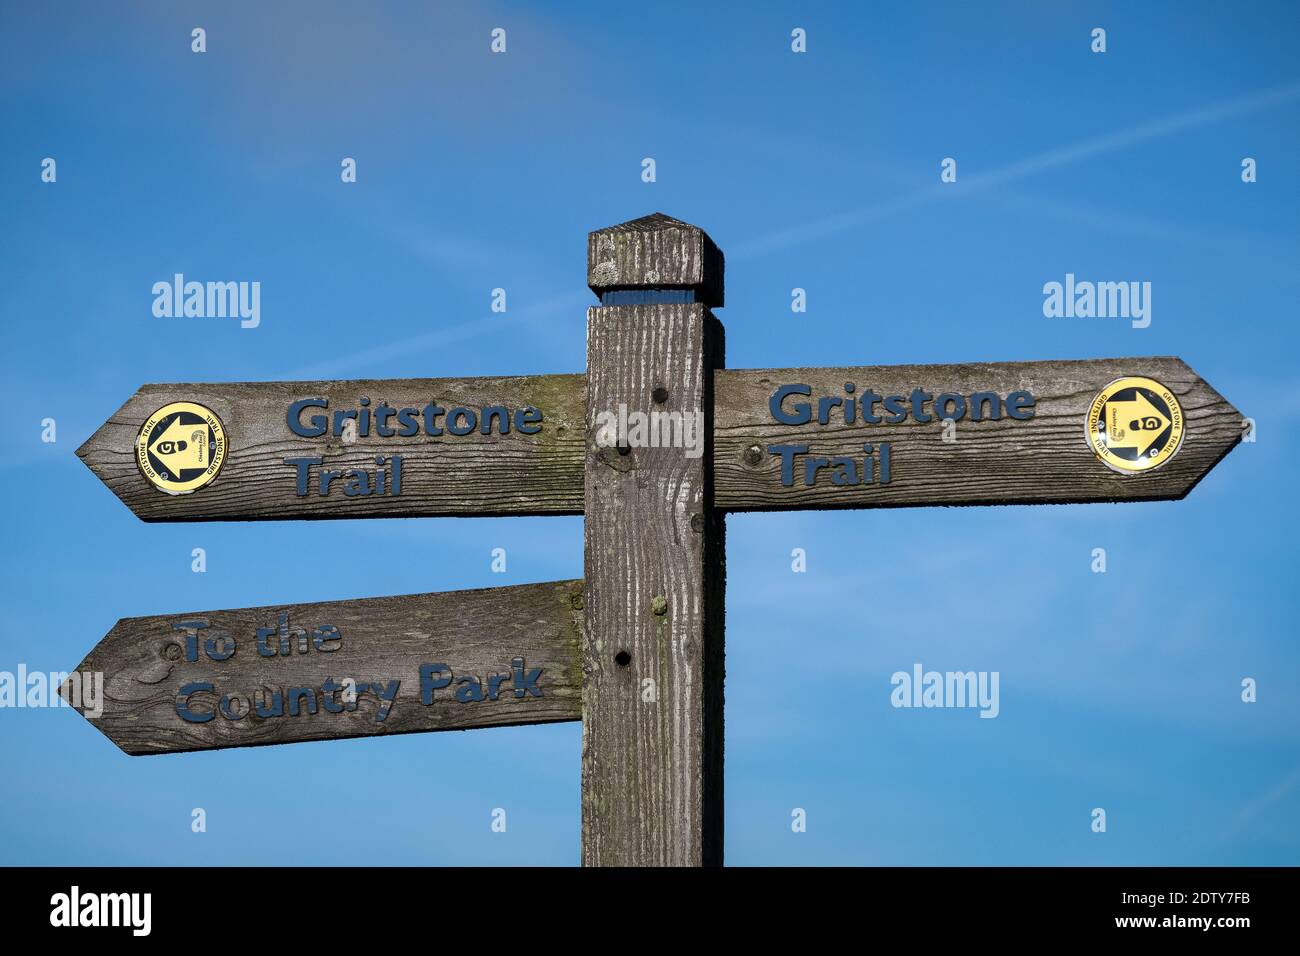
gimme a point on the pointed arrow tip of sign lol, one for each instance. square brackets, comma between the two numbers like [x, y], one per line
[109, 453]
[1226, 439]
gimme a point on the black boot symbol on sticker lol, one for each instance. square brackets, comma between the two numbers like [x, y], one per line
[1135, 424]
[181, 447]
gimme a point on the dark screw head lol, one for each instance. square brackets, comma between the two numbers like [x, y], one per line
[660, 395]
[697, 523]
[753, 455]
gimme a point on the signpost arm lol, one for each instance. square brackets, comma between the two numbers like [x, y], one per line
[654, 551]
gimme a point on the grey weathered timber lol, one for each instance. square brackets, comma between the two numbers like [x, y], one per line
[653, 630]
[479, 633]
[1043, 460]
[655, 252]
[474, 474]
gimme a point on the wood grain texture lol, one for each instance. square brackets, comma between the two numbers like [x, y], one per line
[655, 251]
[476, 633]
[652, 769]
[1043, 460]
[475, 474]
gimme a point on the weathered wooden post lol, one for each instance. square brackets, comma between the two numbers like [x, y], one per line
[654, 550]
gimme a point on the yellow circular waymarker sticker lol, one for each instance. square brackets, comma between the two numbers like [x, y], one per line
[1135, 424]
[181, 447]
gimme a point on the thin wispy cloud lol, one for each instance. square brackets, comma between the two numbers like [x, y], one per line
[1030, 166]
[518, 319]
[1273, 254]
[1261, 803]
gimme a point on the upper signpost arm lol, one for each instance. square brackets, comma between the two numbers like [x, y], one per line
[1021, 436]
[513, 446]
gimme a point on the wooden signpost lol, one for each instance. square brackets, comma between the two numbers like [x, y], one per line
[653, 445]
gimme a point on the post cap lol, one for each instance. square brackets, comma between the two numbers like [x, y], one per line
[655, 252]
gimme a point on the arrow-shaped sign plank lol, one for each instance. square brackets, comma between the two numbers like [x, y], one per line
[471, 446]
[1036, 450]
[289, 673]
[495, 446]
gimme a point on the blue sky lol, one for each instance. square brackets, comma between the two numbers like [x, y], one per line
[819, 171]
